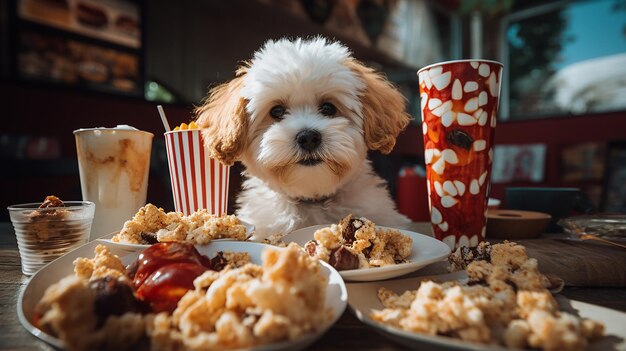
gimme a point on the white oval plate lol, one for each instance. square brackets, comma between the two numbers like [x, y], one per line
[363, 299]
[425, 250]
[132, 247]
[336, 295]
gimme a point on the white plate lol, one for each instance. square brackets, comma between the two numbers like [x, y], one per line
[336, 295]
[425, 250]
[128, 247]
[363, 298]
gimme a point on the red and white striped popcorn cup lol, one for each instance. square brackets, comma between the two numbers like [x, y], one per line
[198, 181]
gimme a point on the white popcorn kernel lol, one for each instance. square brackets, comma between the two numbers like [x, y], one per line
[449, 187]
[450, 156]
[470, 86]
[435, 216]
[465, 119]
[424, 128]
[442, 81]
[439, 166]
[429, 154]
[443, 226]
[427, 81]
[482, 98]
[482, 119]
[474, 64]
[448, 118]
[463, 241]
[473, 241]
[484, 231]
[434, 103]
[474, 187]
[490, 155]
[493, 121]
[423, 100]
[428, 187]
[457, 90]
[493, 85]
[471, 105]
[479, 145]
[448, 201]
[482, 178]
[445, 107]
[460, 187]
[438, 188]
[449, 240]
[484, 70]
[435, 71]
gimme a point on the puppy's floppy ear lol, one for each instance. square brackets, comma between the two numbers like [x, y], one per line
[384, 115]
[224, 120]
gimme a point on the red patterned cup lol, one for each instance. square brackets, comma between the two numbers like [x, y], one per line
[198, 181]
[459, 107]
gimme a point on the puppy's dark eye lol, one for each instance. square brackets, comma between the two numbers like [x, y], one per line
[328, 109]
[277, 111]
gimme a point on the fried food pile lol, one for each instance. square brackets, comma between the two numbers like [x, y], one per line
[505, 302]
[173, 298]
[151, 225]
[358, 243]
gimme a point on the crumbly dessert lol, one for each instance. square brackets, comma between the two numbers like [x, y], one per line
[151, 225]
[45, 222]
[358, 243]
[231, 303]
[505, 302]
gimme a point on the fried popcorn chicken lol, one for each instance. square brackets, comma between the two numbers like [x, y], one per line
[151, 224]
[358, 243]
[506, 303]
[104, 264]
[250, 305]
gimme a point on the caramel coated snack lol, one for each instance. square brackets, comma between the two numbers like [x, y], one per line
[505, 302]
[358, 243]
[240, 306]
[151, 225]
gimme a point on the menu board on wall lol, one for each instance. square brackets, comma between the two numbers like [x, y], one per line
[117, 21]
[86, 44]
[53, 58]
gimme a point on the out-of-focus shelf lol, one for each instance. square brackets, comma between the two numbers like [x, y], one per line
[396, 70]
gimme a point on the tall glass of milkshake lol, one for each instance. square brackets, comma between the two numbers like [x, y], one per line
[114, 164]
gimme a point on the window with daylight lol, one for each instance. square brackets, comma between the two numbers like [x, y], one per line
[565, 58]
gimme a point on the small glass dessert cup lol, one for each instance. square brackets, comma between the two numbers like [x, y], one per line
[44, 234]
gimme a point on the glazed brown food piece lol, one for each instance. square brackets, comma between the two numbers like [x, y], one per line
[342, 259]
[161, 254]
[167, 285]
[114, 298]
[149, 238]
[91, 15]
[52, 201]
[463, 256]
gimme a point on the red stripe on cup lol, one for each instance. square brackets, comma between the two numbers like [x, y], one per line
[213, 188]
[192, 168]
[198, 181]
[184, 169]
[203, 175]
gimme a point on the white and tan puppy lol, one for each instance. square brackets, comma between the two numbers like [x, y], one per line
[301, 116]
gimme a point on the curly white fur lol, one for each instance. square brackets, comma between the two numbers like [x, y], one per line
[280, 194]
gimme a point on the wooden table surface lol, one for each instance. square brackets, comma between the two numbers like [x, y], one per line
[348, 333]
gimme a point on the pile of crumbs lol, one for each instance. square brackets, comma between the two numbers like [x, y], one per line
[151, 225]
[241, 306]
[359, 243]
[505, 302]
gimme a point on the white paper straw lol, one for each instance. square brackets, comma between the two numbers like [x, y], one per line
[166, 124]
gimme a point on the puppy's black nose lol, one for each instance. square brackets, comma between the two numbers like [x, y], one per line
[309, 139]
